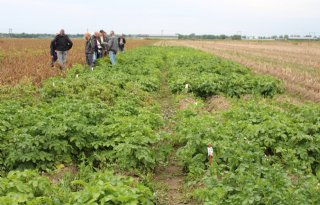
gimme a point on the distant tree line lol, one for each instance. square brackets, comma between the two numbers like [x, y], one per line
[35, 35]
[209, 36]
[46, 35]
[193, 36]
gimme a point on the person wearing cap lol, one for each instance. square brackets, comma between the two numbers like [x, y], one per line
[112, 48]
[103, 41]
[121, 42]
[62, 45]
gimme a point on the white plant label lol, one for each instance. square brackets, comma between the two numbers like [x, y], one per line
[210, 151]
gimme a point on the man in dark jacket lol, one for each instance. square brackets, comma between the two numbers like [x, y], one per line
[121, 42]
[62, 44]
[53, 52]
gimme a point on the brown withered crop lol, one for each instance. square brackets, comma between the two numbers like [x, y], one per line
[296, 63]
[28, 60]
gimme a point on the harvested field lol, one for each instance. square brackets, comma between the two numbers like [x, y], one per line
[29, 59]
[296, 63]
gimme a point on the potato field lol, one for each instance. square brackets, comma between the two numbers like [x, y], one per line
[137, 133]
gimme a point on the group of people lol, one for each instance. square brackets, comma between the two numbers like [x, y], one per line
[97, 46]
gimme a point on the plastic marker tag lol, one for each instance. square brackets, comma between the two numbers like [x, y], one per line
[210, 153]
[186, 88]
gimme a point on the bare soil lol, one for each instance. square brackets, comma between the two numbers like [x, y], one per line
[170, 181]
[58, 175]
[216, 104]
[186, 102]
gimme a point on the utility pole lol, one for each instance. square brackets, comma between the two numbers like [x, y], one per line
[10, 32]
[239, 33]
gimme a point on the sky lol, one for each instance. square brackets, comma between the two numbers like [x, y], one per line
[245, 17]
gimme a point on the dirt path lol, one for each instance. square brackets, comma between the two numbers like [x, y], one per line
[169, 179]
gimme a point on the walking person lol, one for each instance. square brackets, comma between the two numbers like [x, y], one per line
[98, 45]
[62, 45]
[113, 48]
[53, 52]
[103, 41]
[89, 50]
[121, 42]
[95, 47]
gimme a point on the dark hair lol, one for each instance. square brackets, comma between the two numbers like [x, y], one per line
[101, 31]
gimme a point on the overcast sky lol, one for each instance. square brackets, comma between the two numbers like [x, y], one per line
[248, 17]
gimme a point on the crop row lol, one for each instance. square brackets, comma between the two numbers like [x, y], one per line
[106, 119]
[206, 75]
[108, 115]
[263, 153]
[88, 187]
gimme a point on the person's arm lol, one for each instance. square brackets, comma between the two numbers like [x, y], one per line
[110, 43]
[54, 43]
[124, 41]
[91, 48]
[70, 44]
[52, 49]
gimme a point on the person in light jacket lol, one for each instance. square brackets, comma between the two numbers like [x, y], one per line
[112, 48]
